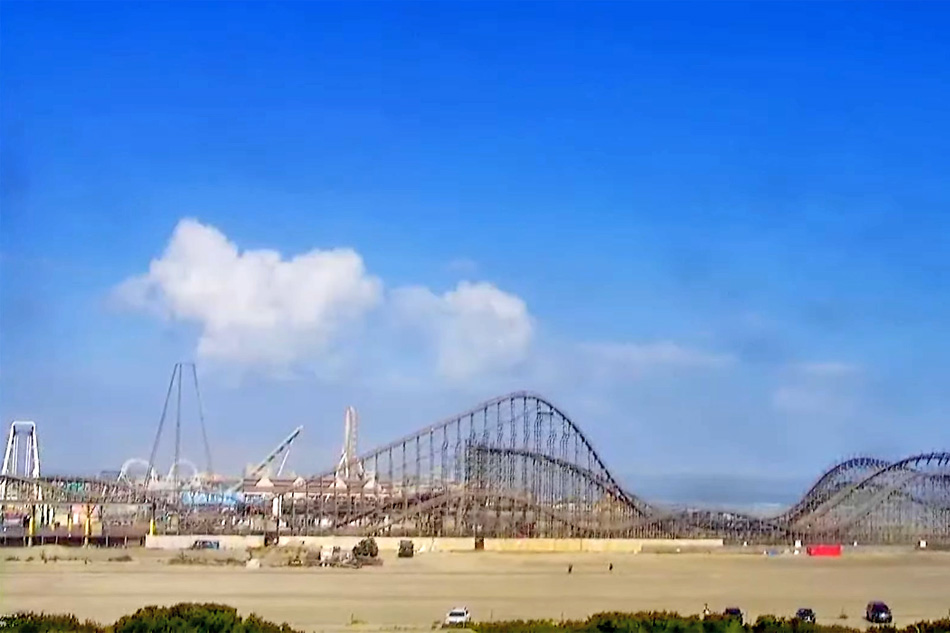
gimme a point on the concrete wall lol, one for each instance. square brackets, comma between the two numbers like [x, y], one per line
[391, 543]
[632, 546]
[533, 545]
[185, 541]
[660, 546]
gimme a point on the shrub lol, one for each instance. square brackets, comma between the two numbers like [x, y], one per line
[212, 618]
[43, 623]
[216, 618]
[937, 626]
[189, 617]
[662, 622]
[180, 618]
[366, 548]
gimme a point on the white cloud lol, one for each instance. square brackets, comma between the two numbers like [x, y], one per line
[476, 328]
[643, 356]
[258, 307]
[265, 309]
[255, 306]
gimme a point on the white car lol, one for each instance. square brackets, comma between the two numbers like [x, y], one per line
[458, 616]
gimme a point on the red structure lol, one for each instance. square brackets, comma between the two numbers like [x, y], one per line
[824, 550]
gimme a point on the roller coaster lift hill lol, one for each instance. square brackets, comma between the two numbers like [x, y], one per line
[514, 466]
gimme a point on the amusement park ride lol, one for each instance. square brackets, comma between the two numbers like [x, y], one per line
[514, 466]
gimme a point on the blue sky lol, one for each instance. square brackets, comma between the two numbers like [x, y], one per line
[717, 234]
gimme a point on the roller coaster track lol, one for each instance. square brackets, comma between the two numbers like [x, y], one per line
[831, 482]
[911, 485]
[70, 491]
[608, 485]
[518, 465]
[522, 448]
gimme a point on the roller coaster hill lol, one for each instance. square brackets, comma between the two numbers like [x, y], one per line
[515, 466]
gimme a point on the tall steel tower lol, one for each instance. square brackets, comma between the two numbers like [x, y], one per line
[22, 456]
[175, 387]
[349, 466]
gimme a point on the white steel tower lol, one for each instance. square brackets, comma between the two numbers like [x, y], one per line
[22, 455]
[25, 461]
[349, 466]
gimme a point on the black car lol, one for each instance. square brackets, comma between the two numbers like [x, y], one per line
[733, 612]
[805, 615]
[878, 613]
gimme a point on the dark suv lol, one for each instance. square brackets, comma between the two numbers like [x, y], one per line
[805, 615]
[734, 613]
[878, 613]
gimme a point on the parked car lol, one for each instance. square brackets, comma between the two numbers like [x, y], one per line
[459, 616]
[878, 613]
[805, 615]
[733, 612]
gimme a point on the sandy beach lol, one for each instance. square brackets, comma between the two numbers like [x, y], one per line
[415, 593]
